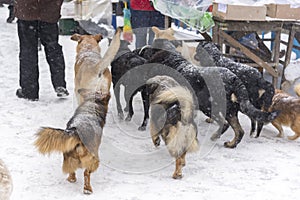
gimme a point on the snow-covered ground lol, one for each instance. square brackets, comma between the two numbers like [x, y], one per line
[131, 168]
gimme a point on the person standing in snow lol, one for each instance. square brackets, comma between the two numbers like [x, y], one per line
[143, 17]
[39, 19]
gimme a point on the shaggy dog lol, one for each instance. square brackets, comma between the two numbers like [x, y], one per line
[80, 141]
[260, 91]
[171, 117]
[91, 71]
[124, 61]
[289, 115]
[5, 182]
[210, 96]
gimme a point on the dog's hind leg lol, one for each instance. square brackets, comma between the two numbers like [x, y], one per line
[87, 182]
[222, 128]
[238, 131]
[146, 105]
[296, 128]
[278, 126]
[180, 162]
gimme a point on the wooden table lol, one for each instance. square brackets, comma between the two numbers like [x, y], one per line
[278, 26]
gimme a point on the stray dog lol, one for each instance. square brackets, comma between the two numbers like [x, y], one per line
[124, 61]
[91, 71]
[289, 115]
[171, 117]
[80, 141]
[5, 182]
[260, 91]
[231, 90]
[188, 52]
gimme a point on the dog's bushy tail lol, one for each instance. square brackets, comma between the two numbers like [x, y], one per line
[183, 96]
[51, 139]
[297, 89]
[111, 51]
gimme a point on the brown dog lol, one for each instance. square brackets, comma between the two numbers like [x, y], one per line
[187, 51]
[91, 71]
[80, 141]
[289, 115]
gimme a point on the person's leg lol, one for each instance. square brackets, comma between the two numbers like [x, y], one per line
[28, 56]
[48, 33]
[138, 23]
[11, 16]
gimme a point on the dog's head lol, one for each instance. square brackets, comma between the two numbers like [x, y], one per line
[163, 34]
[96, 96]
[87, 42]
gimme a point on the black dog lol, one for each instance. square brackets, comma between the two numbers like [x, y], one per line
[124, 61]
[210, 85]
[260, 91]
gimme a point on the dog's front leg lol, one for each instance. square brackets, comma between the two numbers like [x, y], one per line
[238, 131]
[87, 185]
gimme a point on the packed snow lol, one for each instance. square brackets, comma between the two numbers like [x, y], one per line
[131, 168]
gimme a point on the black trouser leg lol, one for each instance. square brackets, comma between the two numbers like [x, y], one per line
[11, 16]
[48, 33]
[28, 56]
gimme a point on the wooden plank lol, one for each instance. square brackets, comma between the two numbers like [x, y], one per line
[248, 53]
[288, 52]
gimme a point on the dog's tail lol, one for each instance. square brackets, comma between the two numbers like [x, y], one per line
[247, 107]
[183, 96]
[297, 89]
[111, 51]
[51, 139]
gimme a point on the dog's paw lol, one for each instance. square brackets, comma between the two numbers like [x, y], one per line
[142, 128]
[215, 136]
[229, 145]
[87, 190]
[128, 118]
[72, 178]
[177, 175]
[156, 142]
[121, 116]
[209, 120]
[253, 135]
[280, 135]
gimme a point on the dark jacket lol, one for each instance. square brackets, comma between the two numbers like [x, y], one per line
[43, 10]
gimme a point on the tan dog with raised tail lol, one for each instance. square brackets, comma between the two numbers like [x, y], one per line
[81, 139]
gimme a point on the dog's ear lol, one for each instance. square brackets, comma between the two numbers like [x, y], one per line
[98, 37]
[150, 88]
[76, 37]
[84, 92]
[155, 30]
[171, 31]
